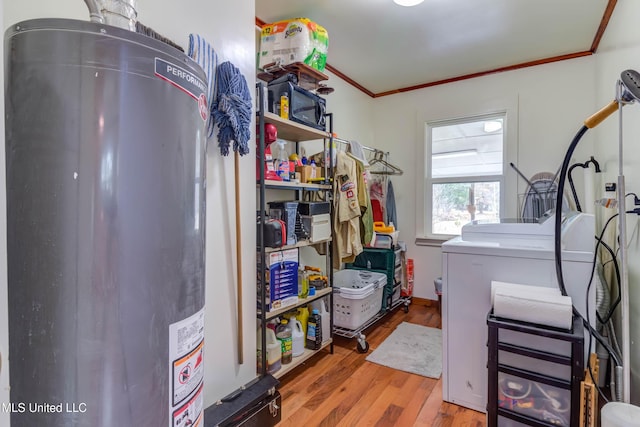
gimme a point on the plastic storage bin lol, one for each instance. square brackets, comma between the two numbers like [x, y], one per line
[381, 261]
[527, 383]
[375, 259]
[357, 297]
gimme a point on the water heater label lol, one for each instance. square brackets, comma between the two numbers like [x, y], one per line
[184, 80]
[186, 351]
[190, 414]
[187, 374]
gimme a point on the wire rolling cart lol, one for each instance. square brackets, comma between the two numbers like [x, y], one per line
[389, 263]
[362, 344]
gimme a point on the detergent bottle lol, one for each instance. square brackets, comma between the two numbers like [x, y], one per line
[303, 317]
[272, 324]
[314, 331]
[297, 338]
[284, 334]
[321, 306]
[274, 352]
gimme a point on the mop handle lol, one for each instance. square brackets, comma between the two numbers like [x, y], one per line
[238, 259]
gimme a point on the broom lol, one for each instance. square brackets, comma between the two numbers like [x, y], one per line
[143, 29]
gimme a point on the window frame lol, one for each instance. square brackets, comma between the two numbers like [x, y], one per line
[429, 181]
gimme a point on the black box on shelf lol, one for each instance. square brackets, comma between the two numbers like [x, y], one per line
[305, 107]
[313, 208]
[274, 232]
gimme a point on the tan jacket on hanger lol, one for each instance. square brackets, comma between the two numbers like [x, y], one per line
[347, 244]
[366, 219]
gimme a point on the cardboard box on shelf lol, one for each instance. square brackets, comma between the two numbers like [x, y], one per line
[309, 172]
[282, 286]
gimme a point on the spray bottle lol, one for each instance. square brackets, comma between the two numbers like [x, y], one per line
[282, 161]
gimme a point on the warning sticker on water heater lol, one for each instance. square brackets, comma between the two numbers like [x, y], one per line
[190, 414]
[188, 372]
[186, 352]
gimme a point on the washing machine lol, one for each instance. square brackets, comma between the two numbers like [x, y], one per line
[507, 251]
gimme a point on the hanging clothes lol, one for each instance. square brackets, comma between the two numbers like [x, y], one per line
[347, 244]
[376, 195]
[390, 205]
[366, 215]
[356, 151]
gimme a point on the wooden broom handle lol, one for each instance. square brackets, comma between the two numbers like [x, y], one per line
[238, 258]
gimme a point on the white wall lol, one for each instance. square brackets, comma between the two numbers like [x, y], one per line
[546, 106]
[229, 28]
[620, 50]
[352, 112]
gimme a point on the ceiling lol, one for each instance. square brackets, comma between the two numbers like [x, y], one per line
[382, 48]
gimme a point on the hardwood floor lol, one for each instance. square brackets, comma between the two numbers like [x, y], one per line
[343, 389]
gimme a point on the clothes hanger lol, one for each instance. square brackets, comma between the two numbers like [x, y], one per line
[389, 169]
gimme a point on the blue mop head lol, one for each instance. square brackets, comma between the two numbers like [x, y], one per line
[232, 109]
[201, 52]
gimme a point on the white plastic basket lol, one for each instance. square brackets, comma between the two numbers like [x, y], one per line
[357, 297]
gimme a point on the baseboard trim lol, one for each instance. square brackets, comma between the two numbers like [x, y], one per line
[424, 301]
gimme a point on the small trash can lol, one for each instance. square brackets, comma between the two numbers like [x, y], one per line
[438, 285]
